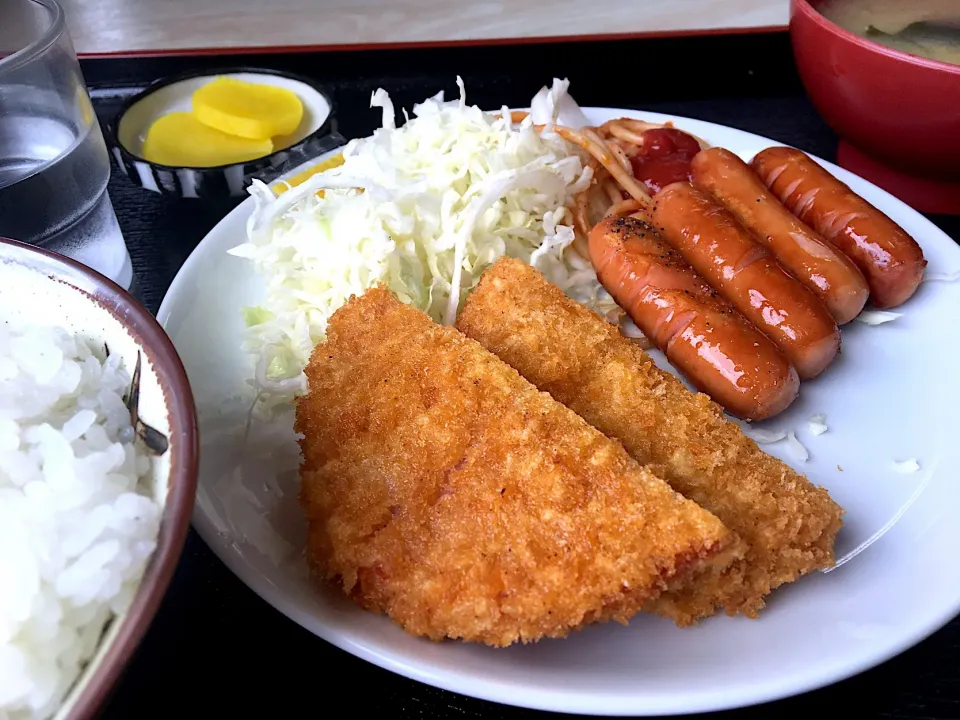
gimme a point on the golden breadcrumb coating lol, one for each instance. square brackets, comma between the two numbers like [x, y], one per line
[565, 349]
[446, 491]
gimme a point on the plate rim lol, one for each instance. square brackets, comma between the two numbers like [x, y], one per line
[576, 702]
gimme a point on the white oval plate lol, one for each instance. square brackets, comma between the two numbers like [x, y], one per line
[891, 396]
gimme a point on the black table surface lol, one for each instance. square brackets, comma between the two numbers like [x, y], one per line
[217, 648]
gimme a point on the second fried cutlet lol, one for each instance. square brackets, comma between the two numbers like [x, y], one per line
[565, 349]
[446, 491]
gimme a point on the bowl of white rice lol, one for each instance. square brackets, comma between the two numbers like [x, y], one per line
[98, 469]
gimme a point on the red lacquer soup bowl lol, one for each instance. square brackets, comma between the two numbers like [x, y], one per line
[898, 115]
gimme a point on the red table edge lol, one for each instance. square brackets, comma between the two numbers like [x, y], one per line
[280, 49]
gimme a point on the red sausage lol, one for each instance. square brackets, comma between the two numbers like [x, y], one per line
[709, 238]
[701, 334]
[890, 259]
[827, 272]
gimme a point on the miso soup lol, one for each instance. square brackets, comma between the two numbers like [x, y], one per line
[928, 28]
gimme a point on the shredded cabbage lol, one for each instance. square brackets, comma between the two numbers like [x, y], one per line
[423, 209]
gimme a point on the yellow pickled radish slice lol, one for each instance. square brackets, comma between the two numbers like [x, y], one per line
[181, 140]
[248, 110]
[282, 186]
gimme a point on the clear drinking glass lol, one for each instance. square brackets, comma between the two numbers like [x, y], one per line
[54, 165]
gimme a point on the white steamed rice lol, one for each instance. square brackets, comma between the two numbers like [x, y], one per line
[76, 528]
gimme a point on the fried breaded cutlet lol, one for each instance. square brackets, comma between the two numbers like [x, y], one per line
[567, 350]
[446, 491]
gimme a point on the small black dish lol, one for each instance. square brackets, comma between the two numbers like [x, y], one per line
[317, 134]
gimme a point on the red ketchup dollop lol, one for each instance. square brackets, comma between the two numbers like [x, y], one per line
[664, 157]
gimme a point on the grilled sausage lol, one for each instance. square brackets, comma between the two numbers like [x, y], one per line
[711, 240]
[701, 334]
[889, 258]
[822, 268]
